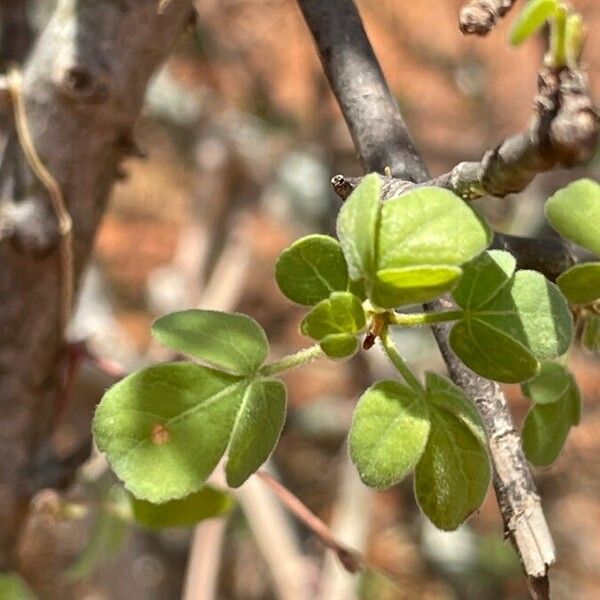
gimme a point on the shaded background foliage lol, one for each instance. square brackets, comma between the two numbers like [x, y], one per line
[242, 135]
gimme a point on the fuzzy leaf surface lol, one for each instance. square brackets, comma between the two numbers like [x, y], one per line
[230, 341]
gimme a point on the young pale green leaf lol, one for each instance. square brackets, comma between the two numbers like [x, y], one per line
[389, 433]
[13, 587]
[574, 212]
[357, 225]
[590, 338]
[525, 320]
[311, 268]
[165, 428]
[557, 407]
[230, 341]
[409, 285]
[424, 236]
[453, 475]
[574, 38]
[483, 278]
[342, 312]
[339, 346]
[581, 283]
[256, 430]
[204, 504]
[533, 16]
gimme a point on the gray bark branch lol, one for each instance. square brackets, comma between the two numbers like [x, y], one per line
[83, 88]
[367, 104]
[479, 16]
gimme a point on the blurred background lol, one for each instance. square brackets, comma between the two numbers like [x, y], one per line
[241, 136]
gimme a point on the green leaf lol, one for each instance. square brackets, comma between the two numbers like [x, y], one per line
[204, 504]
[256, 430]
[590, 338]
[230, 341]
[342, 312]
[491, 353]
[409, 285]
[532, 17]
[389, 432]
[13, 587]
[574, 212]
[311, 268]
[581, 283]
[557, 407]
[339, 345]
[453, 475]
[357, 224]
[508, 322]
[429, 232]
[483, 278]
[165, 428]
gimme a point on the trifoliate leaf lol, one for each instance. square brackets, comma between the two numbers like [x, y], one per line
[204, 504]
[256, 431]
[342, 312]
[581, 283]
[311, 268]
[557, 407]
[389, 432]
[165, 428]
[230, 341]
[574, 212]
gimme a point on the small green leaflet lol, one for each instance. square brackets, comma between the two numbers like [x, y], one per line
[532, 17]
[357, 226]
[509, 321]
[231, 341]
[590, 338]
[389, 432]
[557, 407]
[204, 504]
[256, 430]
[453, 475]
[311, 268]
[165, 428]
[581, 283]
[342, 312]
[410, 285]
[339, 346]
[424, 236]
[574, 212]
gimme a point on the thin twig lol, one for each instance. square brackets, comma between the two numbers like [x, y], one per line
[350, 559]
